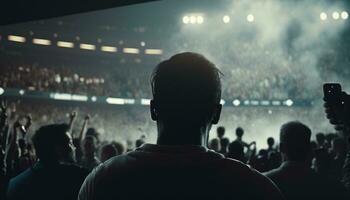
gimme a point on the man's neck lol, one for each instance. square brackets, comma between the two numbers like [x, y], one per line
[185, 136]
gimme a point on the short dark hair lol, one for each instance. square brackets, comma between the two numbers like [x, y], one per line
[270, 141]
[239, 131]
[295, 139]
[47, 138]
[220, 131]
[187, 82]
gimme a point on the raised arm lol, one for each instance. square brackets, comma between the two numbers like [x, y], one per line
[83, 129]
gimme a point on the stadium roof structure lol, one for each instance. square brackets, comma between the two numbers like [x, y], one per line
[18, 11]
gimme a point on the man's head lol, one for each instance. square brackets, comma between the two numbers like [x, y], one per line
[220, 131]
[53, 143]
[270, 142]
[295, 141]
[239, 132]
[186, 90]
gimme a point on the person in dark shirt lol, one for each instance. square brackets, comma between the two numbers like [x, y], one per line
[294, 177]
[53, 176]
[186, 102]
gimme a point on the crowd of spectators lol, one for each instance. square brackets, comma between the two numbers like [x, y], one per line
[60, 153]
[128, 82]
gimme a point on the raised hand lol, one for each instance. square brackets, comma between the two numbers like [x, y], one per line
[339, 116]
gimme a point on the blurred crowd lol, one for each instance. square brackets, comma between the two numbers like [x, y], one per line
[279, 83]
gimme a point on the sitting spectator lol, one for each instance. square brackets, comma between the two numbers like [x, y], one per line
[51, 177]
[186, 102]
[295, 178]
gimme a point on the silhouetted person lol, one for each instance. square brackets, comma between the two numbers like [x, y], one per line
[294, 177]
[239, 138]
[51, 177]
[214, 144]
[338, 159]
[186, 102]
[108, 151]
[270, 144]
[321, 140]
[89, 159]
[224, 142]
[236, 151]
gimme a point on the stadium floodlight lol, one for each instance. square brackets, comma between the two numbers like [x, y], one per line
[118, 101]
[61, 96]
[129, 101]
[186, 19]
[246, 102]
[344, 15]
[265, 103]
[64, 44]
[226, 19]
[200, 19]
[236, 102]
[76, 97]
[94, 98]
[254, 102]
[16, 38]
[250, 18]
[276, 103]
[87, 46]
[222, 102]
[335, 15]
[193, 19]
[146, 102]
[153, 51]
[2, 91]
[323, 16]
[131, 50]
[40, 41]
[108, 48]
[289, 102]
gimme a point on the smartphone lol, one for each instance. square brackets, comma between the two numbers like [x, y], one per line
[332, 92]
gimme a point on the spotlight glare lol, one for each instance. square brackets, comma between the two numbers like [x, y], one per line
[87, 46]
[236, 102]
[16, 38]
[108, 49]
[344, 15]
[193, 19]
[323, 16]
[226, 19]
[200, 19]
[186, 19]
[65, 44]
[250, 18]
[40, 41]
[289, 102]
[335, 15]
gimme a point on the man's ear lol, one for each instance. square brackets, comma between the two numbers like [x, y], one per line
[217, 113]
[154, 115]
